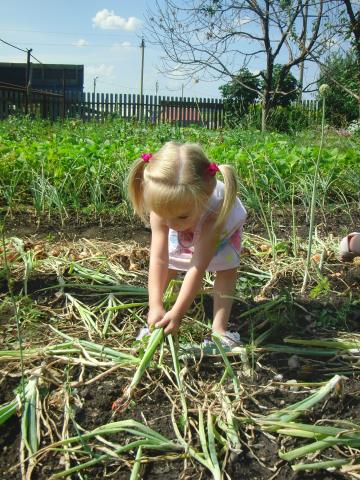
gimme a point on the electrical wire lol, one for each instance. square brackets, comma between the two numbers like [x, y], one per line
[21, 50]
[36, 59]
[14, 46]
[67, 33]
[106, 45]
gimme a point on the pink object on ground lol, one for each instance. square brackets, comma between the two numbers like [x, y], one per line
[348, 253]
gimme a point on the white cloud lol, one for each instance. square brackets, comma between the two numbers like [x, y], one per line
[80, 43]
[107, 20]
[120, 46]
[103, 71]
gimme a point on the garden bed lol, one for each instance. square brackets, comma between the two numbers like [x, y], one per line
[76, 390]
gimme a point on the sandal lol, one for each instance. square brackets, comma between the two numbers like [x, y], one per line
[144, 332]
[346, 253]
[229, 341]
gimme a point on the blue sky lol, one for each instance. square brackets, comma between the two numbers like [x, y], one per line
[104, 36]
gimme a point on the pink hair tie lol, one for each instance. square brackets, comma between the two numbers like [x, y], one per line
[146, 157]
[211, 169]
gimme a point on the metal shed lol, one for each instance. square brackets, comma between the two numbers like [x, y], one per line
[54, 77]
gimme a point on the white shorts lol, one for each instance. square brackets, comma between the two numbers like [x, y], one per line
[227, 255]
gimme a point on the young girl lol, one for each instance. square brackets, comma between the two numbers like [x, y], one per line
[196, 225]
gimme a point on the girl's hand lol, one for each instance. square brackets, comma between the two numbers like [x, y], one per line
[155, 315]
[170, 322]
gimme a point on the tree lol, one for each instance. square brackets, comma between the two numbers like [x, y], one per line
[215, 39]
[344, 26]
[353, 31]
[354, 28]
[341, 107]
[237, 98]
[287, 87]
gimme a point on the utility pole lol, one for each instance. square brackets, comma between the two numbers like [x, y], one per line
[28, 79]
[303, 44]
[156, 87]
[95, 78]
[182, 91]
[142, 47]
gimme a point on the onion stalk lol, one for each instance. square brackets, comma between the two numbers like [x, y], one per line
[155, 339]
[324, 437]
[147, 438]
[208, 455]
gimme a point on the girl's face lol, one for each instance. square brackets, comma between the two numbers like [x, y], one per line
[179, 214]
[185, 219]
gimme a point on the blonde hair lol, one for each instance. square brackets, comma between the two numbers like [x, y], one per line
[176, 177]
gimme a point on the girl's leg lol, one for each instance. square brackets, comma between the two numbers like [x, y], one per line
[224, 286]
[172, 274]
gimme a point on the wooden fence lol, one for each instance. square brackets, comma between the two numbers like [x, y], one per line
[87, 106]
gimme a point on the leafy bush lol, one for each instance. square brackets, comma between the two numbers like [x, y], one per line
[341, 107]
[240, 101]
[286, 119]
[354, 127]
[237, 98]
[288, 85]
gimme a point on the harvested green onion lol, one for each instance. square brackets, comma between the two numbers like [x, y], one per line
[155, 339]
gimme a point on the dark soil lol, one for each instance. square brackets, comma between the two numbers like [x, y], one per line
[113, 226]
[259, 458]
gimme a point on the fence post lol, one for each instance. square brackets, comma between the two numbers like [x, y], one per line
[120, 106]
[106, 105]
[158, 109]
[139, 103]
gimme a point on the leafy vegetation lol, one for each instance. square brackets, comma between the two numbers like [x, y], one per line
[242, 101]
[338, 71]
[79, 167]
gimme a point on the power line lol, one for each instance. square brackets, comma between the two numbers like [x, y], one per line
[14, 46]
[108, 45]
[66, 33]
[36, 59]
[21, 50]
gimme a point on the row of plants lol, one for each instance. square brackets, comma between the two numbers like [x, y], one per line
[73, 166]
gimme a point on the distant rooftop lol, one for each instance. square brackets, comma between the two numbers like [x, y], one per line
[50, 76]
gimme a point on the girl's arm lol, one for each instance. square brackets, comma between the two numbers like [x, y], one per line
[204, 252]
[158, 268]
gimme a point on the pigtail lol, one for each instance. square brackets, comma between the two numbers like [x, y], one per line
[135, 183]
[230, 193]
